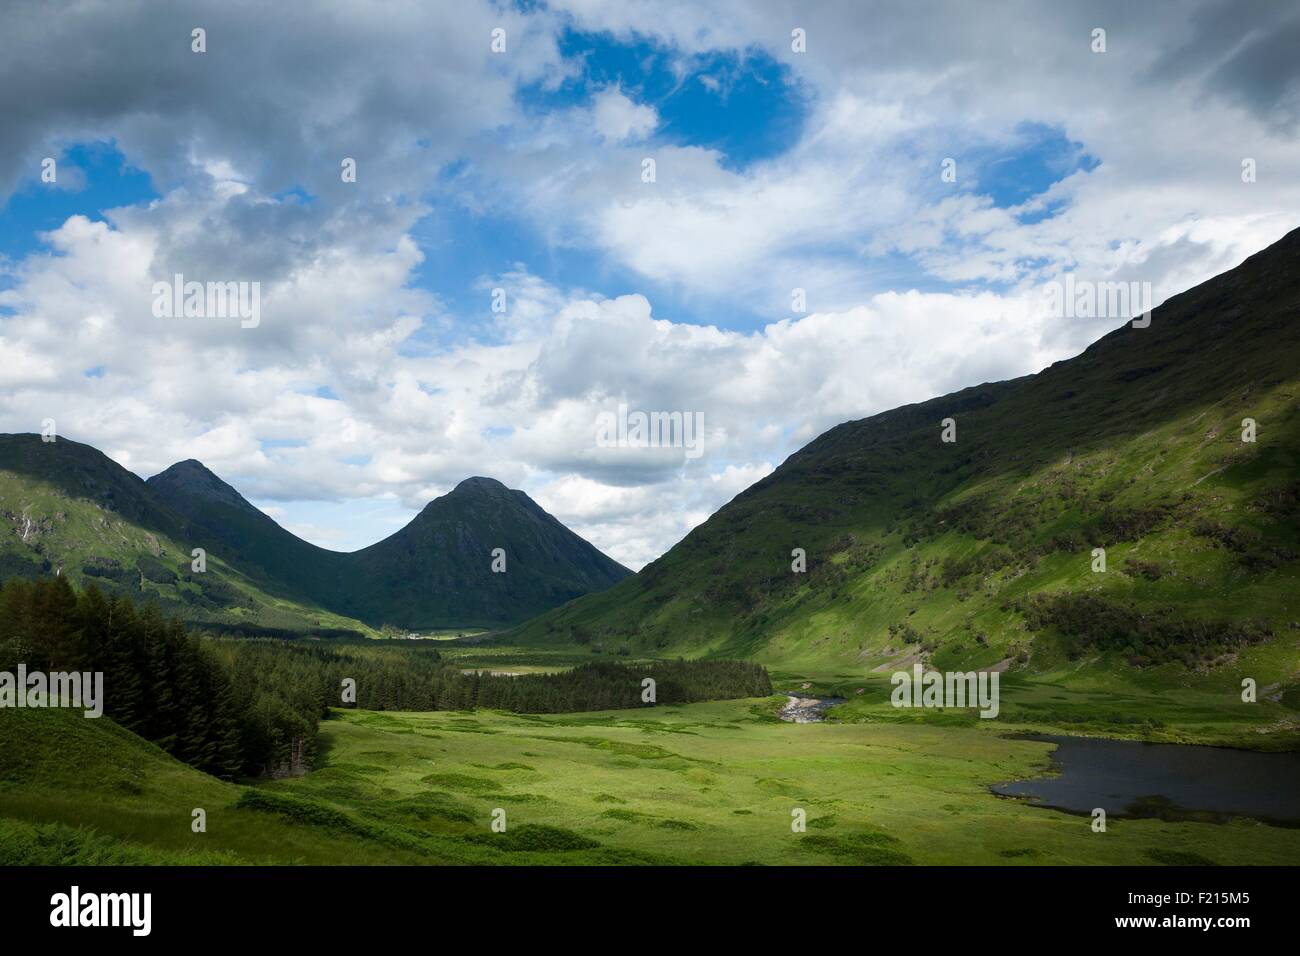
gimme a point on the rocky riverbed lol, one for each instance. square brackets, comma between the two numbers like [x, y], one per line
[807, 710]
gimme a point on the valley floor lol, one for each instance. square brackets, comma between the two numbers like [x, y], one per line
[710, 783]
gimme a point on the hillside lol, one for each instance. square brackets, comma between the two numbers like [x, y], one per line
[76, 791]
[438, 569]
[222, 521]
[68, 509]
[979, 553]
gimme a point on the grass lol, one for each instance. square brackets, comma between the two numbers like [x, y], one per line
[1076, 702]
[710, 783]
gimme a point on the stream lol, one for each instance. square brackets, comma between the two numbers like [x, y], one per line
[806, 710]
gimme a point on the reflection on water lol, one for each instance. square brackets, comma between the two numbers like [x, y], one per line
[1171, 781]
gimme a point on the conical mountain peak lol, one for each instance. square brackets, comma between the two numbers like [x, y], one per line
[480, 485]
[191, 479]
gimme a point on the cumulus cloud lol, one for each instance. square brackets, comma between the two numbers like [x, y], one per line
[900, 88]
[362, 393]
[282, 94]
[618, 119]
[523, 408]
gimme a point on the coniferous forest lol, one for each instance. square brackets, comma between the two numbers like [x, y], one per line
[251, 707]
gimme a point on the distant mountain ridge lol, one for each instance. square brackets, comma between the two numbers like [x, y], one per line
[68, 509]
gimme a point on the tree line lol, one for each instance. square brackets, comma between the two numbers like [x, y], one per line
[610, 685]
[251, 707]
[159, 681]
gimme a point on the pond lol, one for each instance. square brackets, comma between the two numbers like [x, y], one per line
[1129, 778]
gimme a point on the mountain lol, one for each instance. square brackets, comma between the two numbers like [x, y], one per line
[435, 572]
[68, 509]
[979, 553]
[225, 523]
[438, 569]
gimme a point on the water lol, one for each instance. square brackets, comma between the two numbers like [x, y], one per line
[806, 710]
[1170, 781]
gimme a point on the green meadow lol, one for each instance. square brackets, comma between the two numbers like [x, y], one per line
[709, 783]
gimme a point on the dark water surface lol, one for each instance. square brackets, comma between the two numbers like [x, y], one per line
[1129, 778]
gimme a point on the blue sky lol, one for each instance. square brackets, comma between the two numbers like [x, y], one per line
[379, 377]
[92, 177]
[744, 104]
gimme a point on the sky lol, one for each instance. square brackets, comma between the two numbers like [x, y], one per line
[854, 206]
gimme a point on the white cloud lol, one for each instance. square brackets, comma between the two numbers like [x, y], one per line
[522, 408]
[618, 119]
[915, 287]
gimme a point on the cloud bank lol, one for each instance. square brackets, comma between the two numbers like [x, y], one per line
[369, 387]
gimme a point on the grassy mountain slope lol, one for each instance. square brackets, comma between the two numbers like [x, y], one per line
[978, 553]
[87, 791]
[225, 523]
[66, 508]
